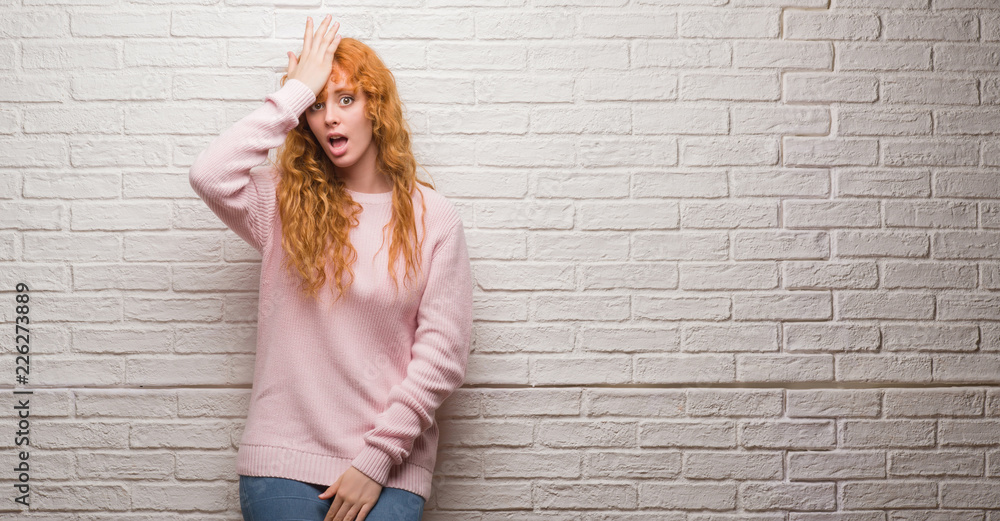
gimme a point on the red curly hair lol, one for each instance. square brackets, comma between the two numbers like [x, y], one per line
[312, 199]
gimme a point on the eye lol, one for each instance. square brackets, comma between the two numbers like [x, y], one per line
[342, 98]
[316, 104]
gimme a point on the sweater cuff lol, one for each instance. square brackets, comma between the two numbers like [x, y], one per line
[374, 463]
[294, 96]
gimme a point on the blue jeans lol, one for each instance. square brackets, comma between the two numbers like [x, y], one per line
[280, 499]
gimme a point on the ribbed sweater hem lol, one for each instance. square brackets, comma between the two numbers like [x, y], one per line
[321, 469]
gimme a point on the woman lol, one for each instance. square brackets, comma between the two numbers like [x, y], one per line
[350, 365]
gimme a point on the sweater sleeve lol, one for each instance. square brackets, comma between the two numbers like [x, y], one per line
[437, 367]
[220, 174]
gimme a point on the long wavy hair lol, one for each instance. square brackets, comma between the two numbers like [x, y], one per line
[317, 212]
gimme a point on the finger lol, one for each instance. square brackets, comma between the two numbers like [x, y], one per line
[364, 512]
[332, 49]
[327, 38]
[327, 493]
[337, 506]
[307, 40]
[352, 513]
[321, 31]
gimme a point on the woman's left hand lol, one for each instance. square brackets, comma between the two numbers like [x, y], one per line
[354, 495]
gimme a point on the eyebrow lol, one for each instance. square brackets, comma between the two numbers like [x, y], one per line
[338, 91]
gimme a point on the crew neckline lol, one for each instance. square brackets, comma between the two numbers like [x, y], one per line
[365, 197]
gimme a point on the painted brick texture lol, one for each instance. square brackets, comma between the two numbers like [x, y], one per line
[734, 259]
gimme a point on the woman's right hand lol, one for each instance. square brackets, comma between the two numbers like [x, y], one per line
[315, 64]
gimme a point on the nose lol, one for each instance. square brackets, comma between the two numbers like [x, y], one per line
[332, 116]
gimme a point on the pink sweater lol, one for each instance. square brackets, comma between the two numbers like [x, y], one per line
[357, 383]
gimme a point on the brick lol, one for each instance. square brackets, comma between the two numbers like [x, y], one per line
[125, 465]
[916, 403]
[830, 87]
[965, 184]
[831, 337]
[734, 402]
[842, 516]
[830, 275]
[809, 151]
[784, 368]
[647, 463]
[687, 496]
[736, 87]
[966, 245]
[979, 368]
[720, 276]
[614, 402]
[590, 495]
[527, 276]
[524, 215]
[883, 122]
[585, 433]
[702, 246]
[834, 403]
[913, 26]
[883, 56]
[633, 215]
[780, 245]
[753, 119]
[729, 338]
[929, 89]
[969, 495]
[869, 434]
[830, 214]
[679, 54]
[787, 434]
[134, 404]
[862, 495]
[729, 214]
[672, 184]
[832, 25]
[595, 338]
[911, 305]
[758, 54]
[489, 433]
[563, 307]
[855, 367]
[476, 496]
[925, 152]
[729, 23]
[966, 57]
[699, 434]
[969, 433]
[733, 465]
[835, 465]
[728, 151]
[782, 305]
[788, 496]
[930, 337]
[657, 118]
[936, 214]
[924, 464]
[680, 308]
[111, 497]
[796, 182]
[706, 368]
[549, 403]
[851, 243]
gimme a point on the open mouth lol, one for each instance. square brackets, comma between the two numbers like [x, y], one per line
[338, 144]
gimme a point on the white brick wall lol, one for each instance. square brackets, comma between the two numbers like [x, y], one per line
[736, 259]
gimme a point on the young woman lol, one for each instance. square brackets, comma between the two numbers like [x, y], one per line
[365, 317]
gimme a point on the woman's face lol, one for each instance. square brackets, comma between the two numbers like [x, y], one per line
[341, 115]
